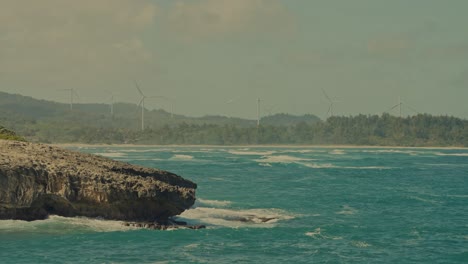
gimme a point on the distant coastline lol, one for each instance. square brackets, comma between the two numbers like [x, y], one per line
[83, 145]
[50, 122]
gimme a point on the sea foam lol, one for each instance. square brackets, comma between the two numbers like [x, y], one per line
[60, 225]
[181, 157]
[251, 153]
[234, 218]
[111, 154]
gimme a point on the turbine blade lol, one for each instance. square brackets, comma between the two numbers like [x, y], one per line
[412, 109]
[326, 95]
[139, 105]
[138, 88]
[393, 107]
[141, 101]
[75, 94]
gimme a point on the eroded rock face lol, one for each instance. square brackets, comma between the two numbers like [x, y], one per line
[37, 180]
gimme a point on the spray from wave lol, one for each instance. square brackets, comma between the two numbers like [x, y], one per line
[63, 225]
[215, 213]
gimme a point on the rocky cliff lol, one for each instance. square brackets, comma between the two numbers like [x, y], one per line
[37, 180]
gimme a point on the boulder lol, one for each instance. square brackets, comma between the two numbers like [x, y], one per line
[37, 180]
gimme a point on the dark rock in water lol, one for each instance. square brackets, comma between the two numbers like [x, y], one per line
[37, 180]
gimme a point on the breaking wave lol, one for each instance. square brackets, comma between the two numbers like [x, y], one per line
[215, 203]
[251, 153]
[452, 154]
[318, 234]
[62, 225]
[111, 154]
[347, 210]
[181, 157]
[337, 152]
[214, 213]
[281, 159]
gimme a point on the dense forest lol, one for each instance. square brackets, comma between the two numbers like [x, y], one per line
[44, 121]
[385, 130]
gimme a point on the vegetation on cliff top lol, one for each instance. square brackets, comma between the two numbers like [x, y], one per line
[9, 135]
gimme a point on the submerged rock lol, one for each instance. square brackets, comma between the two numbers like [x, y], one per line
[37, 180]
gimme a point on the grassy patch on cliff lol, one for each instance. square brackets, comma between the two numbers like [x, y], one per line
[9, 135]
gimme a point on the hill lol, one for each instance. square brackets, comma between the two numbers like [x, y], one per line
[47, 121]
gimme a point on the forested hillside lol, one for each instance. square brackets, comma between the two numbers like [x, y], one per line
[45, 121]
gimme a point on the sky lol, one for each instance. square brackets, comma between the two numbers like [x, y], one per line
[217, 57]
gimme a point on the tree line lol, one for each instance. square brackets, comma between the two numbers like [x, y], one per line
[383, 130]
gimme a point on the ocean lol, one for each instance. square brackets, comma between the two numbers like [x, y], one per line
[277, 205]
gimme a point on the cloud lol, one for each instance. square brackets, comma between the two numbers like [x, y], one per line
[70, 37]
[211, 18]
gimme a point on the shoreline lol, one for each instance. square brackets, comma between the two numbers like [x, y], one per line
[83, 145]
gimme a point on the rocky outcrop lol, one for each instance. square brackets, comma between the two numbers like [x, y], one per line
[37, 180]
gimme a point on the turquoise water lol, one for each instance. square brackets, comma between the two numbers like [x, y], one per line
[323, 205]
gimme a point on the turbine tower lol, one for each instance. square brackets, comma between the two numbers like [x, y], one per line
[73, 94]
[142, 104]
[111, 103]
[171, 102]
[258, 112]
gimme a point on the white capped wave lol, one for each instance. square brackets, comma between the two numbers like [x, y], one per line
[347, 210]
[367, 168]
[317, 233]
[337, 152]
[147, 150]
[181, 157]
[331, 166]
[281, 159]
[457, 196]
[452, 154]
[111, 154]
[400, 151]
[302, 151]
[251, 153]
[319, 166]
[214, 203]
[360, 244]
[231, 218]
[424, 200]
[57, 225]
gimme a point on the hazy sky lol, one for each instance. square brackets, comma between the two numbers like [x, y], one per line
[218, 56]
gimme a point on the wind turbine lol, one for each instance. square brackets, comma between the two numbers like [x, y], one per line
[258, 112]
[171, 102]
[332, 103]
[142, 104]
[397, 105]
[400, 104]
[111, 103]
[72, 95]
